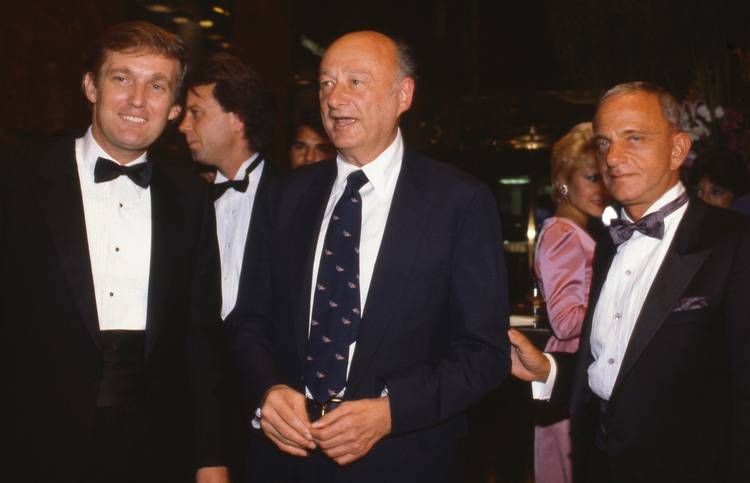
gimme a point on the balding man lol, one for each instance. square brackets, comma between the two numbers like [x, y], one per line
[377, 313]
[661, 389]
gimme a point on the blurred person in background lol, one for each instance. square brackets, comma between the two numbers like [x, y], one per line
[719, 177]
[310, 142]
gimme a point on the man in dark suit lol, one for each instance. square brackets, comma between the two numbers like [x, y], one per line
[228, 124]
[660, 390]
[111, 362]
[392, 263]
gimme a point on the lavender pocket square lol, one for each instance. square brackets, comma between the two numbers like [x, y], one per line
[691, 303]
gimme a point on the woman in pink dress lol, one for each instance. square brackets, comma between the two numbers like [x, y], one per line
[563, 267]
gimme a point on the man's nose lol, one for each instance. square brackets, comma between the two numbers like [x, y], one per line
[137, 95]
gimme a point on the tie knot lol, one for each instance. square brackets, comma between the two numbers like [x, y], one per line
[356, 180]
[107, 170]
[650, 225]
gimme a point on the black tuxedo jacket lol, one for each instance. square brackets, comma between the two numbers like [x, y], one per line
[51, 361]
[434, 326]
[680, 406]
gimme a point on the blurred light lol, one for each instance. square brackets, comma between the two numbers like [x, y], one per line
[519, 180]
[158, 8]
[218, 10]
[302, 82]
[310, 45]
[531, 228]
[530, 141]
[215, 37]
[225, 45]
[206, 24]
[180, 20]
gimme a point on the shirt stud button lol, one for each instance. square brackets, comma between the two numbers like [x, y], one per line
[611, 361]
[628, 273]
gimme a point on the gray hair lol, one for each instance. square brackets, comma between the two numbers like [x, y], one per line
[670, 106]
[406, 62]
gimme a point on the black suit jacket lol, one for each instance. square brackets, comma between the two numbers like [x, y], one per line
[51, 360]
[434, 326]
[680, 406]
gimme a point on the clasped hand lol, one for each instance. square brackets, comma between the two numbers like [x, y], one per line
[345, 434]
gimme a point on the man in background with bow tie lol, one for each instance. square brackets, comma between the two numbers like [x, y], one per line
[228, 124]
[111, 350]
[660, 390]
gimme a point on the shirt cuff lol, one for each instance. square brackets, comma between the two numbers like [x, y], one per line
[543, 390]
[255, 422]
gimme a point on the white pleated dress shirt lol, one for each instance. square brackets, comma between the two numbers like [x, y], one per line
[628, 282]
[118, 229]
[234, 210]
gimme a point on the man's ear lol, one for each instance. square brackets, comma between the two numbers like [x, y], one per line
[681, 144]
[174, 111]
[236, 124]
[88, 85]
[405, 94]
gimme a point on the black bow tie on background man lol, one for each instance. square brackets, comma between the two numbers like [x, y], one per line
[650, 225]
[107, 170]
[238, 184]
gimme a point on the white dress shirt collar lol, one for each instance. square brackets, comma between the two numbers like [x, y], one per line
[240, 174]
[381, 171]
[671, 194]
[91, 151]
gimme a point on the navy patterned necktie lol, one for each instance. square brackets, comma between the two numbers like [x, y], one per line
[336, 306]
[650, 225]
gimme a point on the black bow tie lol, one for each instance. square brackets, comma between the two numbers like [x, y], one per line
[650, 225]
[107, 170]
[238, 184]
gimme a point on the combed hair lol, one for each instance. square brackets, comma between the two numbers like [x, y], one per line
[240, 90]
[139, 36]
[406, 61]
[670, 106]
[572, 151]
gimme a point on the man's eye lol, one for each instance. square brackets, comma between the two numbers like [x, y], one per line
[601, 145]
[634, 138]
[356, 82]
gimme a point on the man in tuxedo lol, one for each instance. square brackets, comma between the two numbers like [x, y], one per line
[660, 390]
[111, 362]
[377, 308]
[228, 124]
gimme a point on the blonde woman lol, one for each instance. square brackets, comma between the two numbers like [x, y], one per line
[563, 266]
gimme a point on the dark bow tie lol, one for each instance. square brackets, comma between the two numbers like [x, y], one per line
[107, 170]
[237, 184]
[650, 225]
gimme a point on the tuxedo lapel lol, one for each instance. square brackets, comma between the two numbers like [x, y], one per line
[307, 219]
[167, 234]
[675, 274]
[60, 199]
[605, 252]
[407, 222]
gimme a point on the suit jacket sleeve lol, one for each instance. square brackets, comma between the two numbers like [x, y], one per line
[477, 358]
[563, 387]
[251, 318]
[738, 335]
[205, 348]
